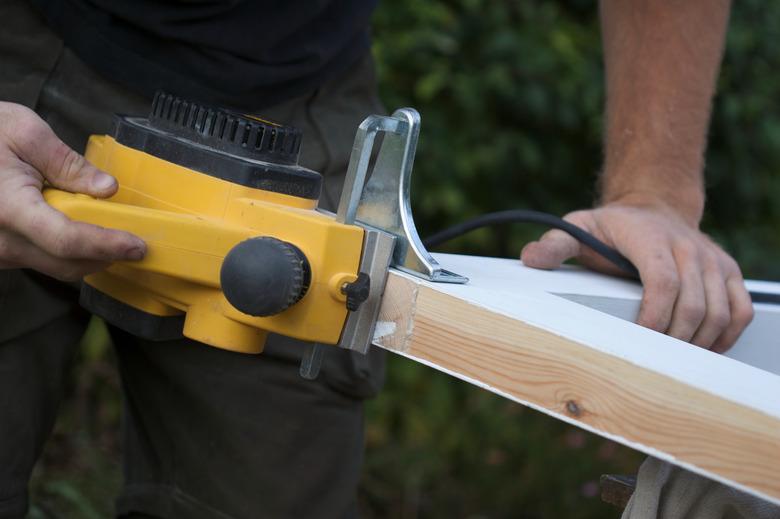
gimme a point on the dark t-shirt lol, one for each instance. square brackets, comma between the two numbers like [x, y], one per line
[246, 54]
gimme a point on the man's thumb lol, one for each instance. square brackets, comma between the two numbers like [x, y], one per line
[35, 143]
[552, 249]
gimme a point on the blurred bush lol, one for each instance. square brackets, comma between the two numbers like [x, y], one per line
[511, 97]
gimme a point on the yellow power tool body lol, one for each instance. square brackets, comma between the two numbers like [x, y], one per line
[236, 247]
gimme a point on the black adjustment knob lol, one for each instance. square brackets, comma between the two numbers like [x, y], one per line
[238, 148]
[264, 276]
[357, 291]
[226, 130]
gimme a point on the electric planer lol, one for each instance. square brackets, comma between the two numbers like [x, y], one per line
[236, 246]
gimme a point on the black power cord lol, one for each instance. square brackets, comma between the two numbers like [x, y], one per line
[528, 216]
[579, 234]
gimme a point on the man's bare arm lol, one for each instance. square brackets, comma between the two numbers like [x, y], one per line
[662, 58]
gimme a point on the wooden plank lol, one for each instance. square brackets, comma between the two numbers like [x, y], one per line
[507, 332]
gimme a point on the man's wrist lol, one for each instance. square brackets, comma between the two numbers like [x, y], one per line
[687, 204]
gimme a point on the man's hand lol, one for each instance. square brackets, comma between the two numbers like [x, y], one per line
[32, 233]
[693, 290]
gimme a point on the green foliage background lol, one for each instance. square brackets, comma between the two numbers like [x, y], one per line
[511, 96]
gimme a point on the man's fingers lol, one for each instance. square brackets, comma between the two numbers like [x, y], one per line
[661, 281]
[60, 237]
[552, 249]
[690, 307]
[16, 252]
[741, 313]
[718, 314]
[33, 141]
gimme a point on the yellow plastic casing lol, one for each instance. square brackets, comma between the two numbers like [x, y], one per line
[190, 221]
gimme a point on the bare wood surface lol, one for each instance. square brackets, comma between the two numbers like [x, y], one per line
[503, 332]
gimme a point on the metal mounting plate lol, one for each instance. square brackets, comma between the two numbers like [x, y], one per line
[383, 201]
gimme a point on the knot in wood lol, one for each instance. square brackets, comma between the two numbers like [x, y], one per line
[573, 408]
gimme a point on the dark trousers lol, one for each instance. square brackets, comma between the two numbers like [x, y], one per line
[206, 433]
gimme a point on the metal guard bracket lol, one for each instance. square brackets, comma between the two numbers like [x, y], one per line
[383, 201]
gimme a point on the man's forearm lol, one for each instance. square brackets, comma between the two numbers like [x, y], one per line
[662, 58]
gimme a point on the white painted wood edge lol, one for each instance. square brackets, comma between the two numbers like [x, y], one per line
[759, 345]
[508, 288]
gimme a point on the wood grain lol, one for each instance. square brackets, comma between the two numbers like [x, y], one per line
[604, 383]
